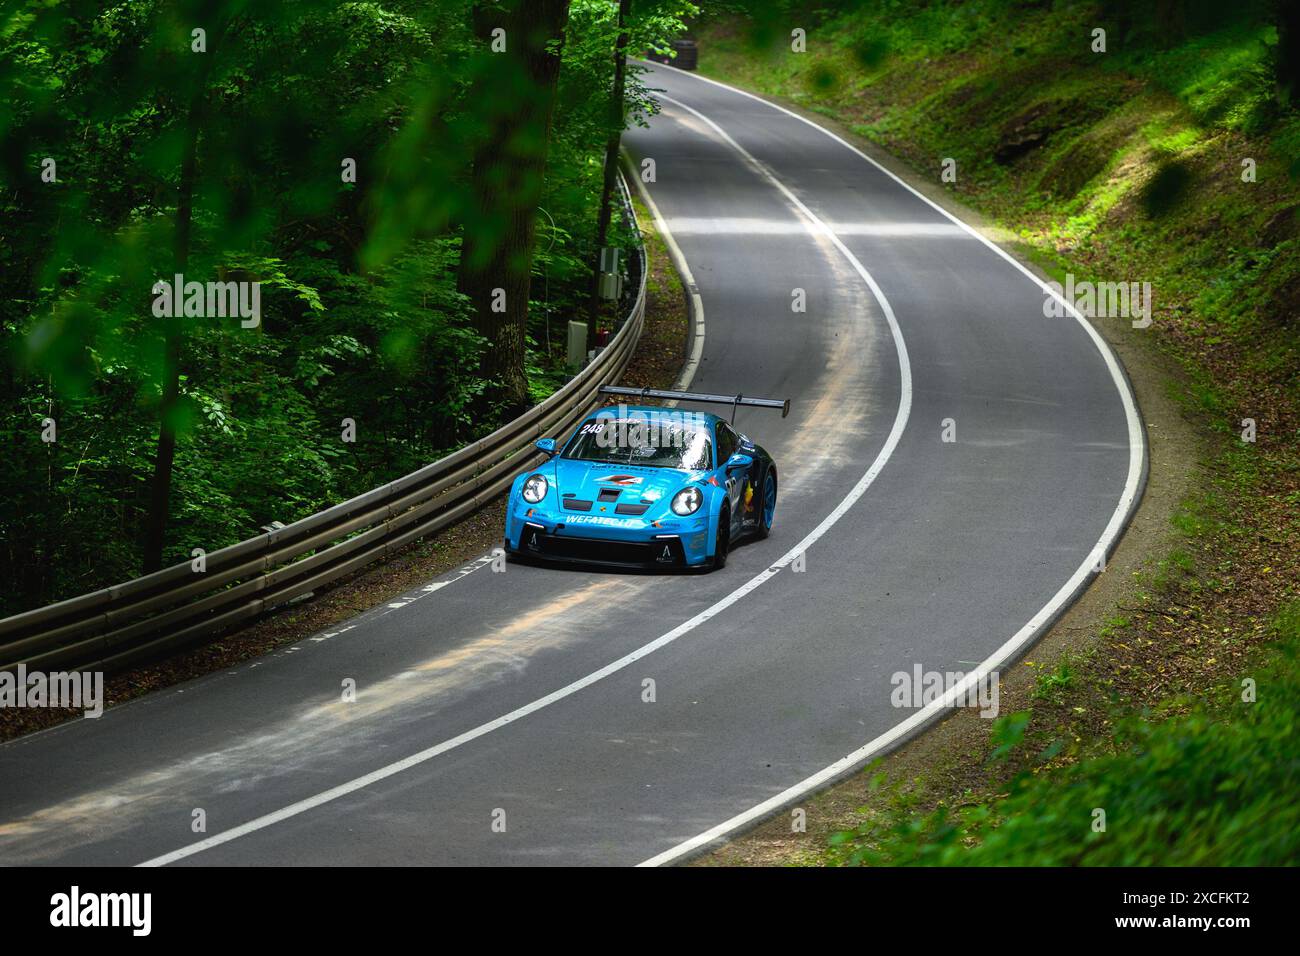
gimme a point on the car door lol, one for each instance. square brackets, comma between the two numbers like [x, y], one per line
[727, 442]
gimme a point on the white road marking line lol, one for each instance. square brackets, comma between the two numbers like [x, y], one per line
[891, 442]
[1018, 641]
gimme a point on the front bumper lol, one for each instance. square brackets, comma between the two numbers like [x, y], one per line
[623, 542]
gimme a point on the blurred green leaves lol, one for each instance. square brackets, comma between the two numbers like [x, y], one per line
[361, 317]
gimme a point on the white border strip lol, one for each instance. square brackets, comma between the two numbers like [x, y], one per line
[815, 226]
[1018, 641]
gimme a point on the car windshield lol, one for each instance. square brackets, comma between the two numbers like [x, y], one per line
[637, 441]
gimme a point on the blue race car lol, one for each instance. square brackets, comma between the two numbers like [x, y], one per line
[646, 487]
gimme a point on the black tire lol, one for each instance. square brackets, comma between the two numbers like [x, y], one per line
[722, 541]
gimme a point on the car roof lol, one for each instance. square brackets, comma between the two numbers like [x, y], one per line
[653, 412]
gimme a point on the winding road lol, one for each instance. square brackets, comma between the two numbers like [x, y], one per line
[502, 718]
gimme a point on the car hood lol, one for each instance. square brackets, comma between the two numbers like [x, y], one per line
[586, 479]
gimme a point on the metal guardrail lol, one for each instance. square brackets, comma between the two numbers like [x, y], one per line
[116, 626]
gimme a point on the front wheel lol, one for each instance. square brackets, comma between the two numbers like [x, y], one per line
[722, 542]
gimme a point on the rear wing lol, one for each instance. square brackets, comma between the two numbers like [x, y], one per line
[735, 401]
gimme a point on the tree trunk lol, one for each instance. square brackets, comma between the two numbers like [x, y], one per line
[508, 169]
[617, 120]
[160, 489]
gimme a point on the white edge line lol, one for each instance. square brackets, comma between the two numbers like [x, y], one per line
[895, 435]
[1018, 641]
[315, 637]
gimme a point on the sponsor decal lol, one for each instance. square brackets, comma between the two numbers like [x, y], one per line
[622, 480]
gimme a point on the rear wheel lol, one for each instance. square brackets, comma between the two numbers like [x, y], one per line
[767, 504]
[722, 542]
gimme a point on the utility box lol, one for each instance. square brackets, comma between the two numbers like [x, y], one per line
[611, 285]
[577, 347]
[610, 282]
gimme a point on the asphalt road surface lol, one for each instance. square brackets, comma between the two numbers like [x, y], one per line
[502, 718]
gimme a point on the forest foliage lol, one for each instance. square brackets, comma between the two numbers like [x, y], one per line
[322, 149]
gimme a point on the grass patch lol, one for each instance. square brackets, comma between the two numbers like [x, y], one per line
[1211, 787]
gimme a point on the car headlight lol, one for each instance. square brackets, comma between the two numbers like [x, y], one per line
[687, 501]
[534, 489]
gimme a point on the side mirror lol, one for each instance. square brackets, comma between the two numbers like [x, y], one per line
[547, 445]
[739, 461]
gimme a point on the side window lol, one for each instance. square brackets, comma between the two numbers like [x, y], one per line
[726, 443]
